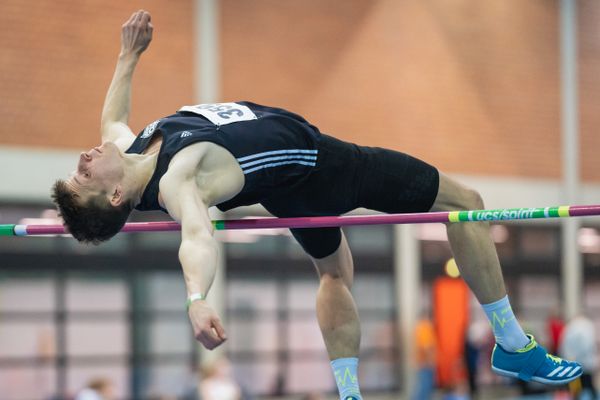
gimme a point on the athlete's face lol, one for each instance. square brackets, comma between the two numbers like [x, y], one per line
[99, 170]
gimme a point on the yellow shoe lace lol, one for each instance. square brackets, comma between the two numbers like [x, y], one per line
[557, 360]
[530, 346]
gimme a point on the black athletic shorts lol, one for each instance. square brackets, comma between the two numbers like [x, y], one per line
[348, 176]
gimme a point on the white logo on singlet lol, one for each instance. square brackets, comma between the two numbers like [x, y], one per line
[149, 130]
[186, 134]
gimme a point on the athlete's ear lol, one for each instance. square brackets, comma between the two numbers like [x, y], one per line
[116, 199]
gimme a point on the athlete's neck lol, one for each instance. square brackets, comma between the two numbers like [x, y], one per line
[139, 169]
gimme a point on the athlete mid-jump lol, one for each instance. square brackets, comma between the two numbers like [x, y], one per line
[241, 153]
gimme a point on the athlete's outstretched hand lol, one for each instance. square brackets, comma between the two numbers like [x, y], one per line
[207, 325]
[136, 33]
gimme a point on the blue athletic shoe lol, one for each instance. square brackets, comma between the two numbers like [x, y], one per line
[533, 363]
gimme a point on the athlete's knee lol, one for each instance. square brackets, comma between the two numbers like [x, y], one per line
[328, 271]
[453, 195]
[335, 273]
[471, 200]
[330, 277]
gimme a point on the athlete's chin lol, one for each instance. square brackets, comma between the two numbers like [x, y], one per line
[109, 148]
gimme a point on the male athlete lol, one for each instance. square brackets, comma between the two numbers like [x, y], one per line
[234, 154]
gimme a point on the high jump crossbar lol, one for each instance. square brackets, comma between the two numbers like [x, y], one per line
[502, 214]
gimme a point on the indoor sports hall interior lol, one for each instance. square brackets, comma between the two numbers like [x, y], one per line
[502, 95]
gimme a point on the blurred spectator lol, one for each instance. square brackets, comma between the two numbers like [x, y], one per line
[555, 326]
[455, 393]
[425, 346]
[313, 396]
[477, 339]
[218, 383]
[579, 344]
[162, 397]
[97, 389]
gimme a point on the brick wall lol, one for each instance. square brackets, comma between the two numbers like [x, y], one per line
[589, 88]
[471, 86]
[57, 58]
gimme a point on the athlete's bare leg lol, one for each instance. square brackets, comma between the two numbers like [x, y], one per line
[338, 318]
[516, 355]
[471, 242]
[336, 310]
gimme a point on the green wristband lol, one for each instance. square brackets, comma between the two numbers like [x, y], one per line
[193, 297]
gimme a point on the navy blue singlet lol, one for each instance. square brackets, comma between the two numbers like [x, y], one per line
[276, 151]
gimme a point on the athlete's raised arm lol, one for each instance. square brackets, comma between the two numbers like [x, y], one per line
[198, 254]
[136, 35]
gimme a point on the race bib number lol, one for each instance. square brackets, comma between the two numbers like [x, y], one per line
[222, 113]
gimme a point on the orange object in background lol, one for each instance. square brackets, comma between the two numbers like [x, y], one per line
[450, 315]
[425, 343]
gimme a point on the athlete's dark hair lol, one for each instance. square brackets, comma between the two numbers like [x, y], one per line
[94, 221]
